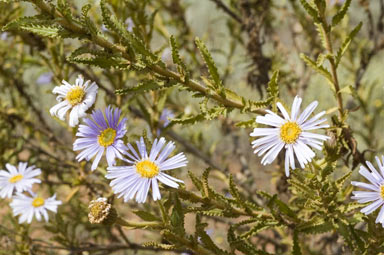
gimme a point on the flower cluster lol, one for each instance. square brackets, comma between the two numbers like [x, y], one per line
[18, 180]
[104, 131]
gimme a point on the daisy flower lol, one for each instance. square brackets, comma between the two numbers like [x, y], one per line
[29, 206]
[291, 133]
[101, 133]
[79, 98]
[146, 170]
[376, 189]
[19, 178]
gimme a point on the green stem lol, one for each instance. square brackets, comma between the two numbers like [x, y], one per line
[143, 224]
[328, 46]
[164, 215]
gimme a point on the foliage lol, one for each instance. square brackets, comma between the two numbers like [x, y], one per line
[143, 56]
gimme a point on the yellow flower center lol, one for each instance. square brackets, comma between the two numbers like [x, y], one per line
[147, 169]
[290, 132]
[107, 137]
[37, 202]
[382, 191]
[15, 178]
[75, 95]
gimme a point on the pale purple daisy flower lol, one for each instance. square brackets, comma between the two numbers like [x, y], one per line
[99, 134]
[146, 170]
[376, 189]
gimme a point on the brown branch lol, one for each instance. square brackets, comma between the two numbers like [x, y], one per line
[223, 7]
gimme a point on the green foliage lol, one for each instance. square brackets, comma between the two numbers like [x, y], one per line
[39, 25]
[341, 13]
[99, 58]
[344, 47]
[118, 44]
[214, 73]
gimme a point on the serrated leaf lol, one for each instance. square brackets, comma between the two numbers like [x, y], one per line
[247, 124]
[208, 115]
[160, 245]
[320, 69]
[316, 228]
[177, 216]
[99, 58]
[310, 10]
[343, 48]
[296, 250]
[144, 86]
[206, 239]
[182, 68]
[129, 39]
[340, 182]
[39, 25]
[341, 13]
[214, 73]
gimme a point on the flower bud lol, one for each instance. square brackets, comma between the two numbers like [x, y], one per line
[100, 211]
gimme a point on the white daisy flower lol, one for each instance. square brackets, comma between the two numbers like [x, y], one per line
[291, 133]
[376, 189]
[145, 171]
[37, 206]
[19, 179]
[79, 97]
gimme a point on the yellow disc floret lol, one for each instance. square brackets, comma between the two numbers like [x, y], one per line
[15, 178]
[382, 191]
[37, 202]
[107, 137]
[290, 132]
[75, 95]
[147, 169]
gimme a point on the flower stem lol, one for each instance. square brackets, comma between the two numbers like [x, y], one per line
[164, 215]
[329, 48]
[143, 224]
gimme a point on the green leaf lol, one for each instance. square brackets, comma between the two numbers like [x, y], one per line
[310, 10]
[296, 250]
[341, 13]
[39, 25]
[273, 89]
[316, 228]
[208, 115]
[343, 48]
[177, 60]
[177, 216]
[340, 182]
[206, 239]
[320, 69]
[247, 124]
[210, 64]
[144, 86]
[147, 216]
[98, 58]
[129, 39]
[64, 8]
